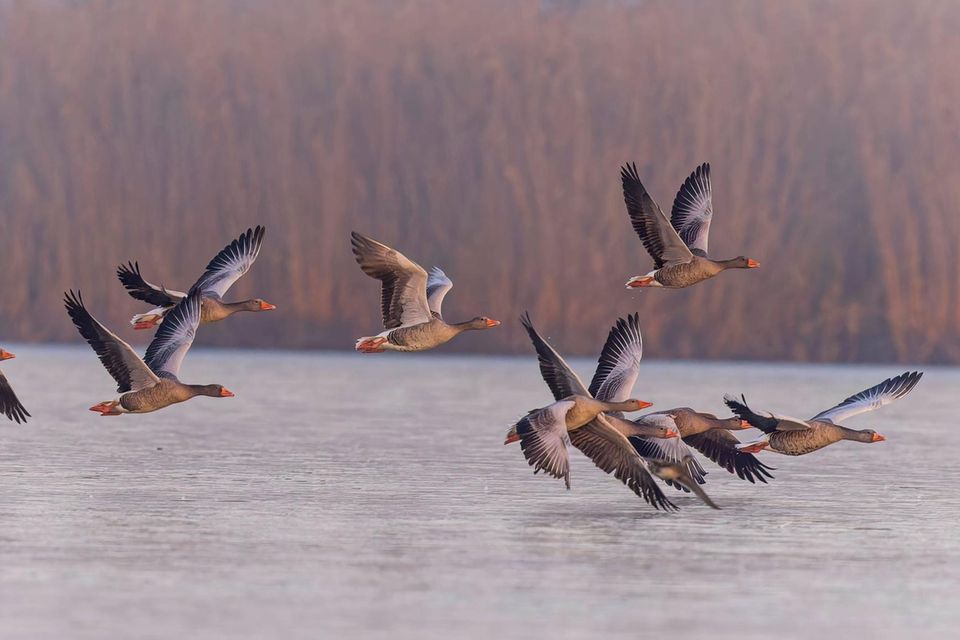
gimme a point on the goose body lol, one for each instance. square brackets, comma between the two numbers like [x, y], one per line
[10, 405]
[420, 337]
[586, 408]
[223, 270]
[165, 392]
[817, 436]
[410, 301]
[149, 383]
[685, 274]
[678, 246]
[796, 437]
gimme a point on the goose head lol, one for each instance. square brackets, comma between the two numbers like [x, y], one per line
[213, 391]
[741, 262]
[864, 435]
[258, 304]
[734, 424]
[628, 405]
[483, 322]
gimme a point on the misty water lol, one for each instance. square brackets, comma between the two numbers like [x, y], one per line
[340, 495]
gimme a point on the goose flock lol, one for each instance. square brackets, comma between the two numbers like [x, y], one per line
[638, 452]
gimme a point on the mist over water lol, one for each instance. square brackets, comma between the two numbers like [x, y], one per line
[347, 496]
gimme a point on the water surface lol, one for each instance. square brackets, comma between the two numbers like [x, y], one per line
[341, 495]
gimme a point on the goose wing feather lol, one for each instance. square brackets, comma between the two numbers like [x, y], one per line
[543, 439]
[656, 233]
[174, 337]
[118, 358]
[619, 362]
[10, 405]
[613, 453]
[403, 294]
[231, 263]
[881, 394]
[693, 210]
[558, 375]
[140, 289]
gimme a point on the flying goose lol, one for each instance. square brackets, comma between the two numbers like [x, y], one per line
[410, 301]
[227, 266]
[149, 383]
[795, 437]
[710, 436]
[678, 246]
[617, 371]
[10, 405]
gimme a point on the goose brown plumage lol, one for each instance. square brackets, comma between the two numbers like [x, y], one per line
[149, 383]
[795, 437]
[10, 405]
[410, 301]
[222, 271]
[678, 246]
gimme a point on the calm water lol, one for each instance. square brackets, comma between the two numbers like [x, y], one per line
[366, 496]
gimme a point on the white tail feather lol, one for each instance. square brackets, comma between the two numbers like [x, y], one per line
[372, 344]
[150, 316]
[764, 441]
[648, 280]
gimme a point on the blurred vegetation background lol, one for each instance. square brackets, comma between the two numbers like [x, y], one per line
[486, 137]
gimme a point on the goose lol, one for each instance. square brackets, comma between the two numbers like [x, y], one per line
[678, 246]
[10, 405]
[710, 436]
[227, 266]
[616, 374]
[410, 301]
[795, 437]
[151, 382]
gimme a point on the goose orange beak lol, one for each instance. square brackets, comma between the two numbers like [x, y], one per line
[266, 306]
[877, 438]
[511, 438]
[673, 433]
[752, 264]
[6, 355]
[492, 323]
[745, 425]
[644, 404]
[226, 393]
